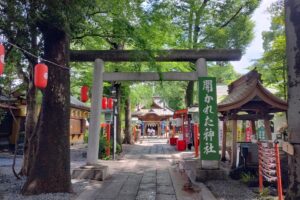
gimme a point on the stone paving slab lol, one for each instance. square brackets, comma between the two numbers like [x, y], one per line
[147, 187]
[126, 197]
[148, 180]
[165, 197]
[142, 174]
[146, 195]
[165, 190]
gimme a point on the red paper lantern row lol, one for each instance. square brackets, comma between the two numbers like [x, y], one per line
[84, 93]
[110, 103]
[104, 103]
[2, 55]
[40, 75]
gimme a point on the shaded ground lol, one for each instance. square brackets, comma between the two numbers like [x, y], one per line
[148, 170]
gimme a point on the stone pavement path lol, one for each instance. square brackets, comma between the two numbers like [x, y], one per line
[143, 173]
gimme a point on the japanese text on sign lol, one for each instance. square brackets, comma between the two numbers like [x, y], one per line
[209, 145]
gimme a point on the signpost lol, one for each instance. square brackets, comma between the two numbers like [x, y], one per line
[208, 119]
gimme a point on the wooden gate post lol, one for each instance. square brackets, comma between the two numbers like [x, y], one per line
[234, 147]
[223, 155]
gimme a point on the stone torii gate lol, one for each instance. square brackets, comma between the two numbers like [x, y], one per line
[100, 56]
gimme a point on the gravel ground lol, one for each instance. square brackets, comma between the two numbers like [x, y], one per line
[230, 190]
[10, 187]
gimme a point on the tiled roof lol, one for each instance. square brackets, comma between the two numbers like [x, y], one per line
[79, 104]
[247, 89]
[159, 112]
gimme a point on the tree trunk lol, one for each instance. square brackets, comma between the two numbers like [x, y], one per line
[128, 138]
[292, 17]
[31, 139]
[119, 133]
[189, 94]
[50, 172]
[30, 143]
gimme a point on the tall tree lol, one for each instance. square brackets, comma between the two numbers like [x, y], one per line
[51, 23]
[51, 166]
[210, 24]
[272, 65]
[18, 27]
[292, 16]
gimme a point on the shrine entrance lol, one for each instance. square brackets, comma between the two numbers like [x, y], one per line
[210, 157]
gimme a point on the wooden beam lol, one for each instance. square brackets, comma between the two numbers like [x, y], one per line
[247, 117]
[150, 76]
[223, 155]
[234, 147]
[253, 126]
[160, 55]
[268, 129]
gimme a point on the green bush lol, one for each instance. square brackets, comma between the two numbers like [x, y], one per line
[247, 177]
[103, 144]
[265, 192]
[86, 137]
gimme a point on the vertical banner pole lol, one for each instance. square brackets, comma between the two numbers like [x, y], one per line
[108, 139]
[278, 172]
[260, 177]
[115, 136]
[134, 133]
[196, 140]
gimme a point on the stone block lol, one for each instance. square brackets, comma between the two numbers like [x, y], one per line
[91, 172]
[203, 175]
[210, 164]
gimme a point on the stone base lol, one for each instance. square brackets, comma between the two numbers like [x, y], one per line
[92, 172]
[210, 170]
[203, 175]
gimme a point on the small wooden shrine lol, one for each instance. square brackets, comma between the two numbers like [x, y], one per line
[154, 118]
[248, 100]
[12, 128]
[78, 117]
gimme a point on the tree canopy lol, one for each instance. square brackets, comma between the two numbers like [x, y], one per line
[272, 65]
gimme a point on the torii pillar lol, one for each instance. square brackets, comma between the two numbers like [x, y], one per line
[94, 126]
[93, 170]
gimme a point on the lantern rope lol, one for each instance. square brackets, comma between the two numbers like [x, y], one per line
[42, 59]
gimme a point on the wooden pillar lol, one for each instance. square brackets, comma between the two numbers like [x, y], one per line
[268, 129]
[159, 131]
[223, 155]
[94, 128]
[253, 127]
[234, 148]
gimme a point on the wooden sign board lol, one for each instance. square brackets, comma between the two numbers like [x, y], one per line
[288, 148]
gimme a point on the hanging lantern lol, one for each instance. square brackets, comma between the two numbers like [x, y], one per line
[84, 93]
[110, 103]
[40, 75]
[104, 103]
[2, 54]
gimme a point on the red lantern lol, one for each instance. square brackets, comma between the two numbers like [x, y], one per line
[110, 103]
[2, 54]
[40, 75]
[104, 103]
[84, 93]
